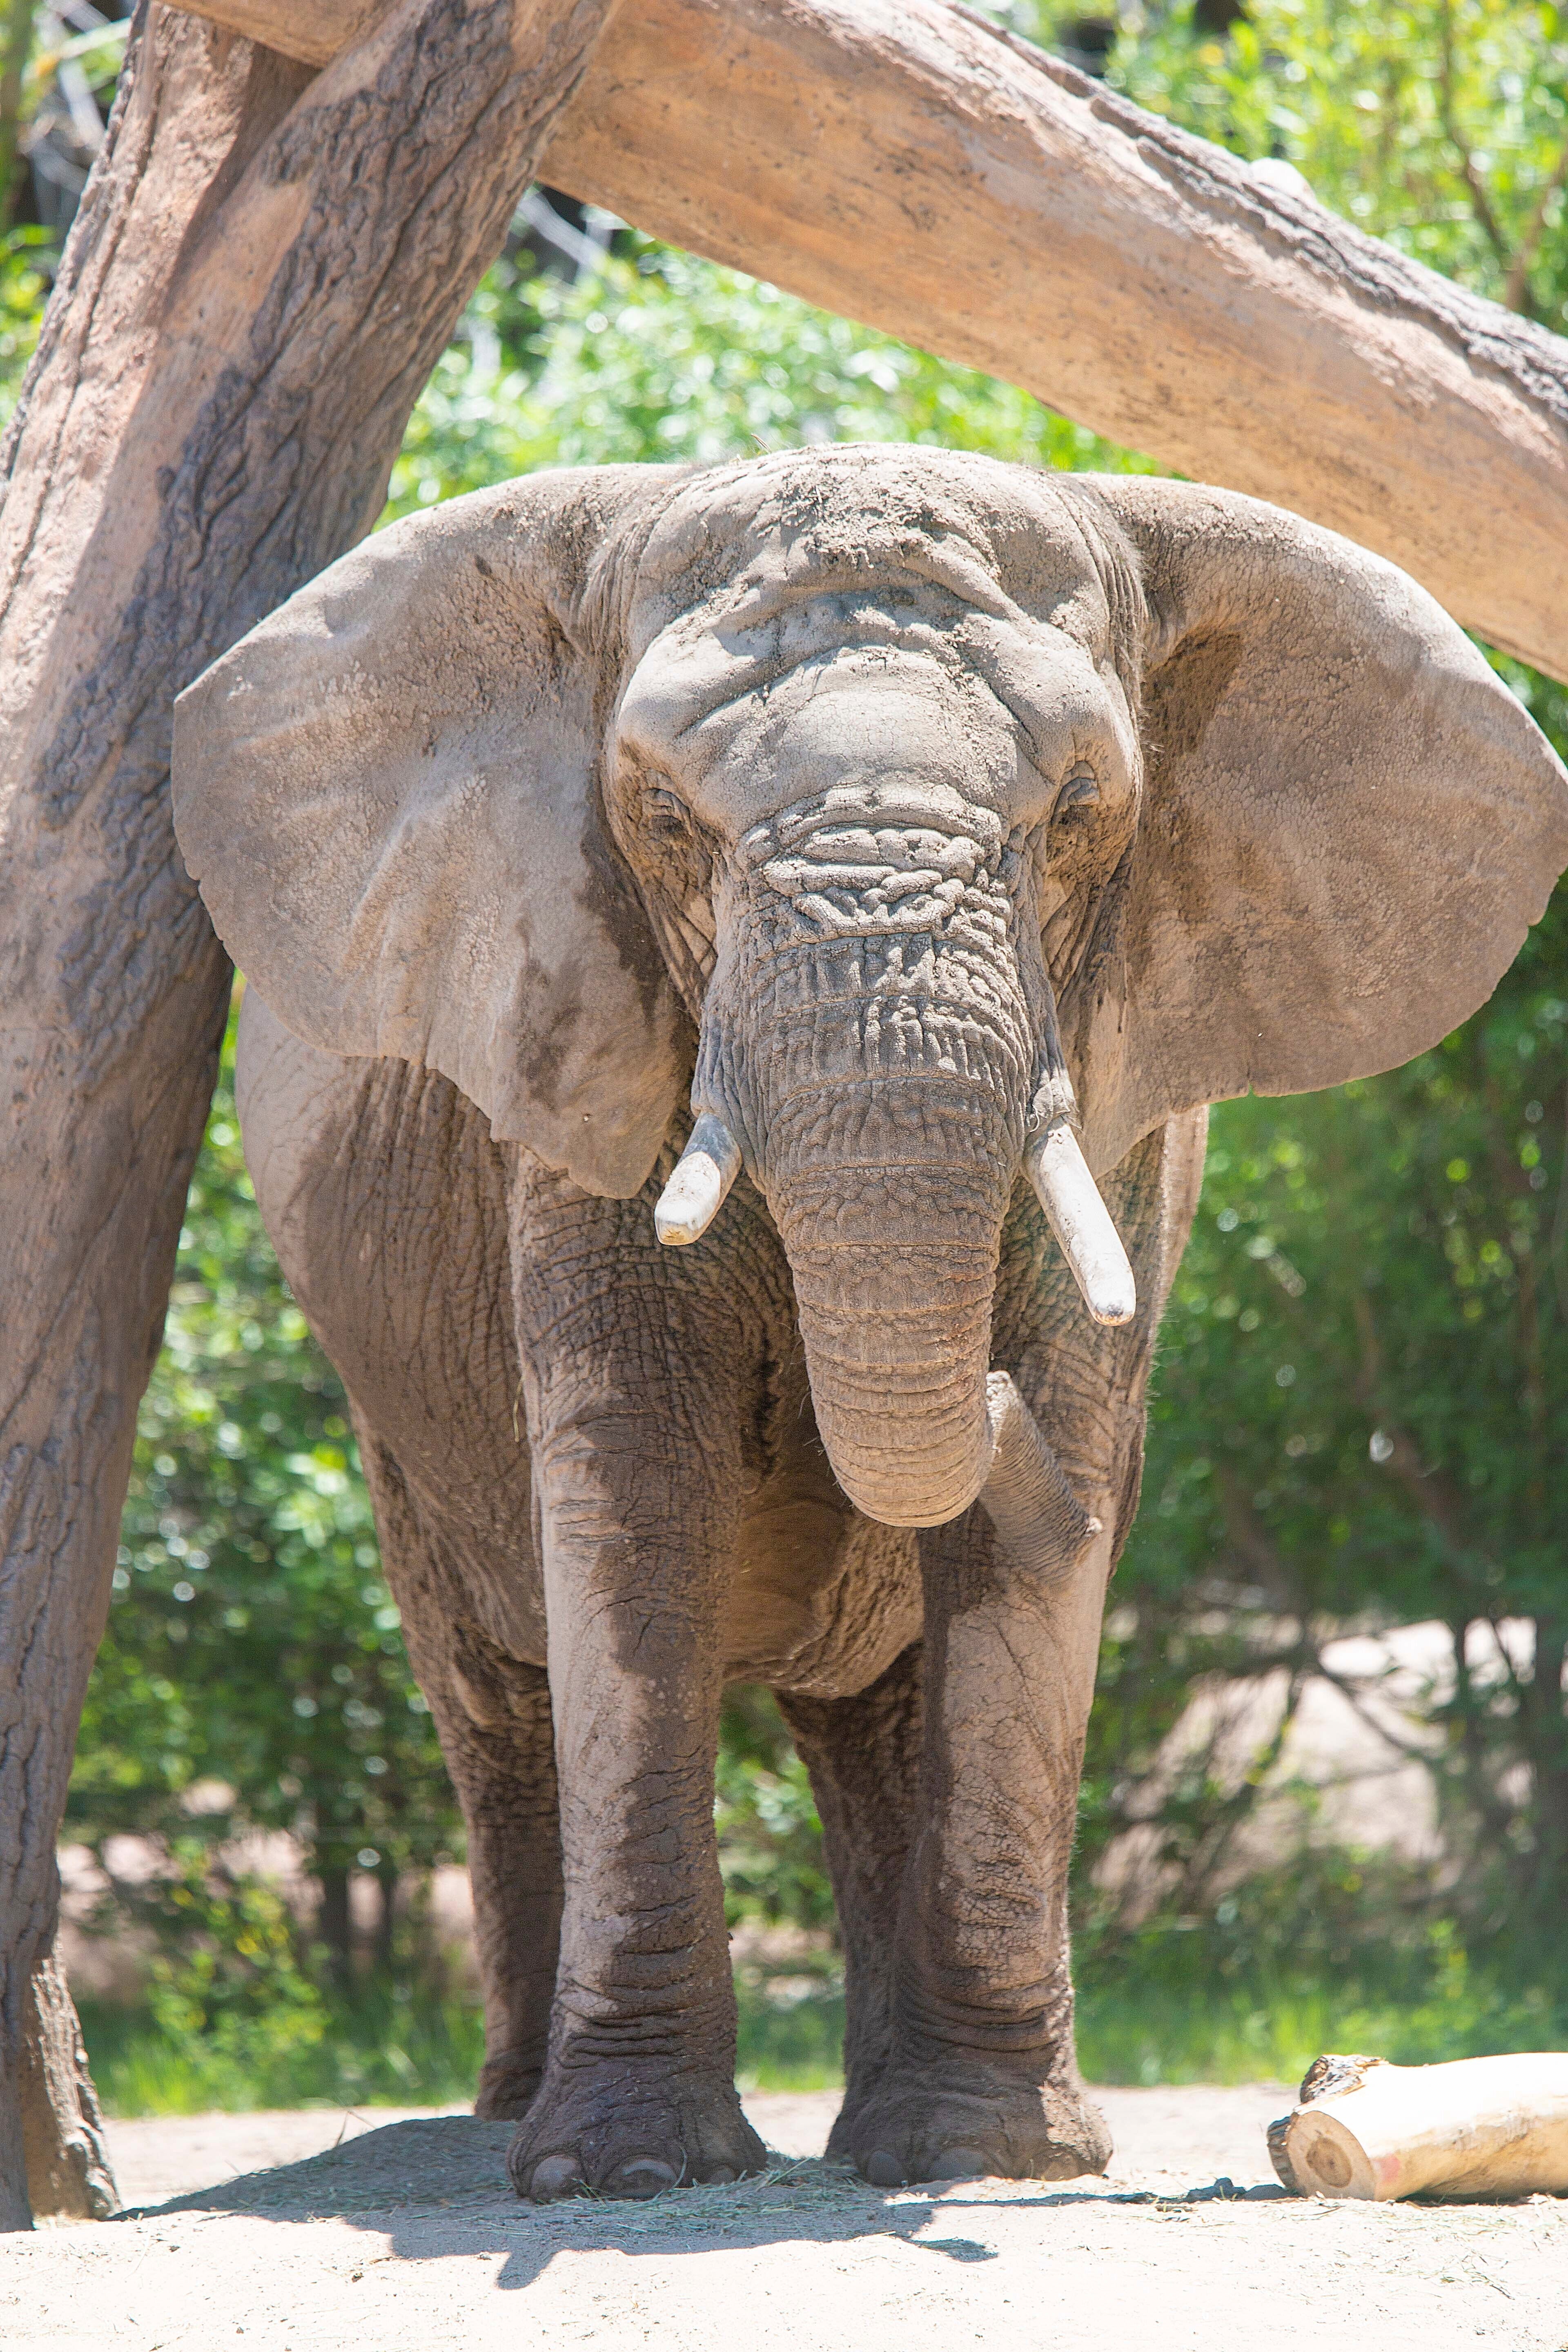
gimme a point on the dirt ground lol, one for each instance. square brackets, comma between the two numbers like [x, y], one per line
[315, 2232]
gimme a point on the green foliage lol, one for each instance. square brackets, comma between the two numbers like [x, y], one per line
[25, 254]
[663, 357]
[1324, 1951]
[1438, 124]
[1362, 1402]
[226, 1978]
[396, 2043]
[770, 1838]
[388, 2044]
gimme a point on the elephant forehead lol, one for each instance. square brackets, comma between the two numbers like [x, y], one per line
[916, 526]
[997, 702]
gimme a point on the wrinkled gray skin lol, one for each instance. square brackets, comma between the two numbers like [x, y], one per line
[873, 800]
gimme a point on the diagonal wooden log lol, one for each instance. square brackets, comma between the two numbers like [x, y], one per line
[264, 270]
[906, 163]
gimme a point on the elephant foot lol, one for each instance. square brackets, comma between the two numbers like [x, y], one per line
[508, 2085]
[603, 2131]
[946, 2122]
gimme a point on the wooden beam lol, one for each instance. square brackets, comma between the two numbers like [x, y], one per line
[312, 32]
[905, 163]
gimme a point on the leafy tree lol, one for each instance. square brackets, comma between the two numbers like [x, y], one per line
[660, 357]
[1364, 1408]
[1441, 125]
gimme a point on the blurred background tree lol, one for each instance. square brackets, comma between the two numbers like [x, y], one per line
[1363, 1369]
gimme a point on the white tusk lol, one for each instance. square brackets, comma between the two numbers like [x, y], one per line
[1081, 1224]
[695, 1193]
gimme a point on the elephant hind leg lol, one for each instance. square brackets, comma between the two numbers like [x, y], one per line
[863, 1755]
[491, 1713]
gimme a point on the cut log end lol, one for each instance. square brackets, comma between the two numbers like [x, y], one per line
[1478, 2128]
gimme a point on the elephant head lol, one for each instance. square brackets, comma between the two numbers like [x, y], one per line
[929, 819]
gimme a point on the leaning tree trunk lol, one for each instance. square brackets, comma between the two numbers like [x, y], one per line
[264, 270]
[909, 164]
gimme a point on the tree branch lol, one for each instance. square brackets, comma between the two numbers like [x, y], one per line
[1481, 202]
[263, 271]
[1435, 1497]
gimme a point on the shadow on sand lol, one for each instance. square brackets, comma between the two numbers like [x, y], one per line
[438, 2186]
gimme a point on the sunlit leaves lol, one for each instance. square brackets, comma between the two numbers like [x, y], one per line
[660, 356]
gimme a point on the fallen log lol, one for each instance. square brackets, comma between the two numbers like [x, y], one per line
[1481, 2128]
[908, 164]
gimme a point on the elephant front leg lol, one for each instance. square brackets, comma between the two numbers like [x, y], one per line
[639, 1491]
[981, 2076]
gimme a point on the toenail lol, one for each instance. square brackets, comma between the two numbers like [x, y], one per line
[721, 2177]
[883, 2170]
[959, 2164]
[554, 2176]
[644, 2176]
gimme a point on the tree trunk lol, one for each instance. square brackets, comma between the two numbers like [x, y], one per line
[385, 1942]
[334, 1923]
[908, 164]
[68, 2163]
[16, 45]
[1543, 1727]
[263, 272]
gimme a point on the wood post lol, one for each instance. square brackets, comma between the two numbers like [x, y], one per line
[907, 164]
[263, 272]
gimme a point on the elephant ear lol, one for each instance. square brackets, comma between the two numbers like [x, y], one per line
[389, 794]
[1348, 825]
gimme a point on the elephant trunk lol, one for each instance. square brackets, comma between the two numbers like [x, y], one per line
[894, 1253]
[878, 1040]
[882, 1086]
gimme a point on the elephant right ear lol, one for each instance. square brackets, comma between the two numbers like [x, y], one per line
[1348, 822]
[389, 794]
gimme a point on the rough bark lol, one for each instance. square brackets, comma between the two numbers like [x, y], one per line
[910, 165]
[263, 272]
[68, 2171]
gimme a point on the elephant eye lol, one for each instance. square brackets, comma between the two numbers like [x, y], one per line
[665, 814]
[1080, 791]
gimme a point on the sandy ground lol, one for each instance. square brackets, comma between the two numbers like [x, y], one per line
[315, 2232]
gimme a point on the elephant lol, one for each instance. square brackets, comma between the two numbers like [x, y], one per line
[738, 960]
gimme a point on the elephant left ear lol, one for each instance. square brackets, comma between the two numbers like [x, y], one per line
[390, 794]
[1349, 823]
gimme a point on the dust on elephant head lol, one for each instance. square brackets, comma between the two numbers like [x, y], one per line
[897, 802]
